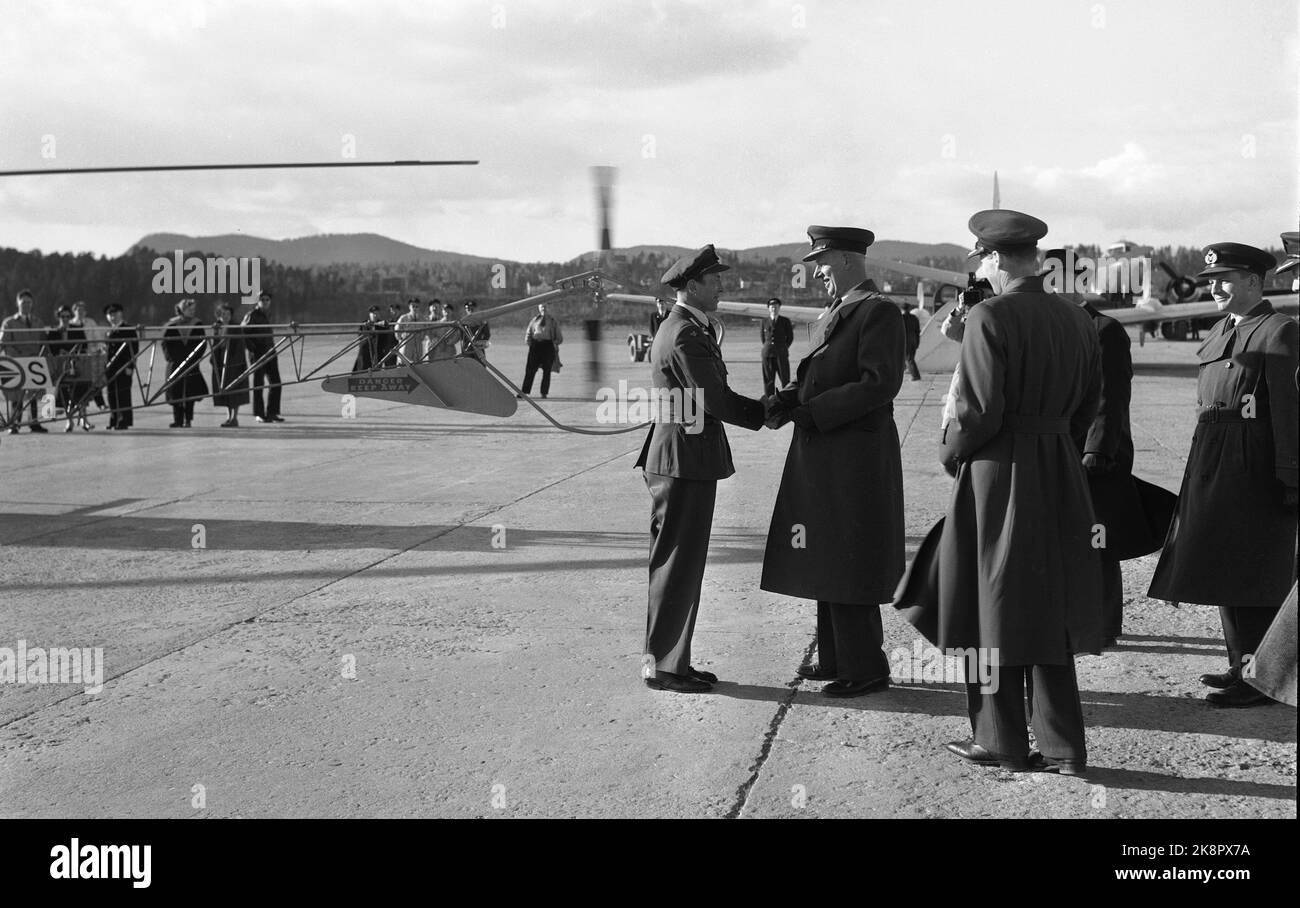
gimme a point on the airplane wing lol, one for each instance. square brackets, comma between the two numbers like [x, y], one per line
[803, 314]
[925, 272]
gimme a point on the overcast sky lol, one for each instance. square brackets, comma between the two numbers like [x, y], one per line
[1163, 121]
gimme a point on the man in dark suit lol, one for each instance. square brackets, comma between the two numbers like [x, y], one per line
[1019, 583]
[683, 463]
[259, 341]
[1107, 447]
[657, 317]
[777, 334]
[837, 533]
[123, 346]
[1232, 542]
[912, 333]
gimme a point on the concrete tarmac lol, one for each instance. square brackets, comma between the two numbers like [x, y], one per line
[418, 613]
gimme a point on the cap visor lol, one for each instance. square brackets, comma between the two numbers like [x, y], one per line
[1217, 269]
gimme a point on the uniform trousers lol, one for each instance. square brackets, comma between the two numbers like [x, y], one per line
[1244, 630]
[1047, 696]
[681, 521]
[850, 640]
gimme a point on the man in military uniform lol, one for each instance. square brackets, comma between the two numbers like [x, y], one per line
[1107, 446]
[776, 336]
[1017, 579]
[22, 335]
[837, 533]
[682, 467]
[1233, 539]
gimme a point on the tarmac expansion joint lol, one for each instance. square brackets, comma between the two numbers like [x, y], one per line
[755, 770]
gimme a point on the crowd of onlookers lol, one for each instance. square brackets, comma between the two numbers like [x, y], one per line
[94, 363]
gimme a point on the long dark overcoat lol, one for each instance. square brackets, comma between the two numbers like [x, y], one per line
[837, 527]
[1232, 541]
[1017, 569]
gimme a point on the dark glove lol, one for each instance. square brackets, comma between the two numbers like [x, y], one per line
[1097, 464]
[1290, 497]
[803, 418]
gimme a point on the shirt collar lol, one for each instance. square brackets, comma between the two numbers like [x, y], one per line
[696, 313]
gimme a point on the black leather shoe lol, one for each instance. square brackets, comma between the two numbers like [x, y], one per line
[815, 672]
[971, 752]
[1219, 682]
[706, 677]
[677, 683]
[1239, 693]
[855, 688]
[38, 428]
[1040, 763]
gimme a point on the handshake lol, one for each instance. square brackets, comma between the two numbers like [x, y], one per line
[783, 407]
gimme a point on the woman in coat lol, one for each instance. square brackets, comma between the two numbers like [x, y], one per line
[183, 340]
[229, 365]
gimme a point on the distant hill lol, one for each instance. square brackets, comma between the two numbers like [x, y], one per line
[373, 249]
[311, 251]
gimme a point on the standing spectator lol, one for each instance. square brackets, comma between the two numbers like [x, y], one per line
[183, 339]
[66, 345]
[543, 337]
[409, 343]
[912, 340]
[122, 349]
[430, 337]
[260, 343]
[776, 335]
[229, 363]
[479, 333]
[385, 339]
[22, 335]
[94, 346]
[369, 352]
[657, 317]
[444, 339]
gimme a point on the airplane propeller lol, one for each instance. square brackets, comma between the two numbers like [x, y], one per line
[1183, 288]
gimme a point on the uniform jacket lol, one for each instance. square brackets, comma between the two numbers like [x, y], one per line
[370, 349]
[776, 337]
[1232, 541]
[1016, 566]
[684, 356]
[656, 320]
[837, 530]
[1135, 514]
[257, 333]
[123, 345]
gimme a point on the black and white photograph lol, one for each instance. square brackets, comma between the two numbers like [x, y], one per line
[640, 410]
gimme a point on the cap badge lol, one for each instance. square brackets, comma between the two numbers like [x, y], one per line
[1211, 257]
